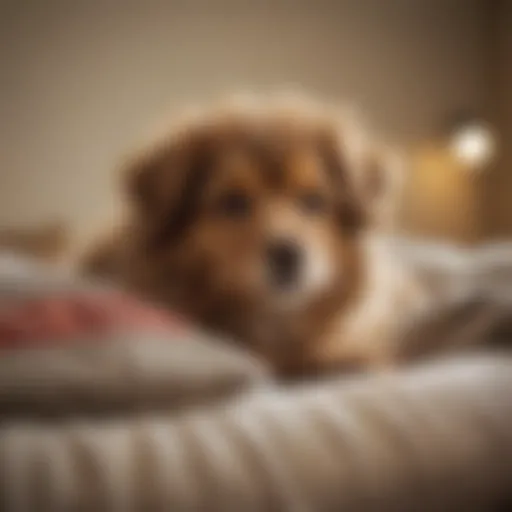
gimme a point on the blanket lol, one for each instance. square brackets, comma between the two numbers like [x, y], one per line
[146, 415]
[436, 438]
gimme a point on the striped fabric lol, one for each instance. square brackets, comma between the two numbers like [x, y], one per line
[433, 438]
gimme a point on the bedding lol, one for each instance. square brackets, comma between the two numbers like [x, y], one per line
[67, 346]
[131, 408]
[433, 439]
[472, 297]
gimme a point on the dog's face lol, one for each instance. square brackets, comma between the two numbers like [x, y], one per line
[265, 224]
[244, 211]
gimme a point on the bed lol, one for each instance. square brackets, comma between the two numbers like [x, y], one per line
[111, 404]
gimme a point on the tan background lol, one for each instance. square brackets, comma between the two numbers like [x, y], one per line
[82, 79]
[498, 197]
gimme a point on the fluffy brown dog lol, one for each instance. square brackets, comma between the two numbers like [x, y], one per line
[254, 219]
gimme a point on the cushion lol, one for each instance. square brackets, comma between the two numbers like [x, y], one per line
[64, 318]
[68, 345]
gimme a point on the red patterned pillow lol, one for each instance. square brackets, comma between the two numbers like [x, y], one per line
[62, 318]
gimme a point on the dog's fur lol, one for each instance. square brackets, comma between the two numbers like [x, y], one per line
[207, 198]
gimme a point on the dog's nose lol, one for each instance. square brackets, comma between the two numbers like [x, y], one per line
[284, 261]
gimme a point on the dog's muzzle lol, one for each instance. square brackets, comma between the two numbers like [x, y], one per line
[284, 259]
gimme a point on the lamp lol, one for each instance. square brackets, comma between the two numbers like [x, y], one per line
[472, 142]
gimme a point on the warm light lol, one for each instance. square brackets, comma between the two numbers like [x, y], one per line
[474, 144]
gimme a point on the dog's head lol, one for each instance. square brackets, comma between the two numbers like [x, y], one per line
[264, 203]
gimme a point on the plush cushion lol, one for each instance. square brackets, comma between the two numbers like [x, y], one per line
[71, 346]
[64, 318]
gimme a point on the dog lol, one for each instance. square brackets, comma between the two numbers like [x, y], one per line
[259, 219]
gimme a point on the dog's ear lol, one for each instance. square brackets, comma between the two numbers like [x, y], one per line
[367, 181]
[163, 182]
[142, 181]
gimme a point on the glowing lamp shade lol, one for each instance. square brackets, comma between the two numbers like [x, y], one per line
[473, 144]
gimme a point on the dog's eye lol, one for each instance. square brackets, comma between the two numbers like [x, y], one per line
[235, 204]
[312, 202]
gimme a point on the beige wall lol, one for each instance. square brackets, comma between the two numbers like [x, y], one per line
[81, 79]
[498, 197]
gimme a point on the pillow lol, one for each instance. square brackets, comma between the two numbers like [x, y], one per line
[65, 317]
[70, 347]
